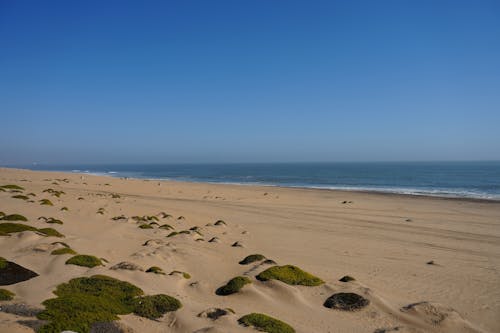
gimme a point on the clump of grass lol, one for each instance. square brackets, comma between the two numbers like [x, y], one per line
[100, 211]
[50, 232]
[185, 232]
[118, 218]
[87, 300]
[146, 226]
[220, 222]
[81, 198]
[166, 227]
[289, 274]
[53, 192]
[60, 243]
[184, 274]
[172, 234]
[64, 209]
[84, 260]
[64, 250]
[6, 295]
[153, 223]
[265, 323]
[347, 278]
[13, 217]
[346, 302]
[20, 196]
[45, 202]
[3, 263]
[53, 220]
[181, 218]
[12, 187]
[145, 218]
[155, 269]
[31, 194]
[164, 215]
[115, 196]
[233, 286]
[252, 258]
[153, 307]
[10, 228]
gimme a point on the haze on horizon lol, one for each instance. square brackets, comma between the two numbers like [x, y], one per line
[249, 81]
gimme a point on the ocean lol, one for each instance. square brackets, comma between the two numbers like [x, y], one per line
[446, 179]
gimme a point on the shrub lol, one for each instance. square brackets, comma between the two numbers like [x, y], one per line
[346, 302]
[153, 307]
[20, 196]
[14, 217]
[347, 278]
[145, 226]
[184, 274]
[220, 222]
[3, 263]
[233, 286]
[252, 258]
[172, 234]
[53, 220]
[86, 300]
[155, 269]
[166, 227]
[45, 202]
[60, 243]
[289, 274]
[50, 232]
[117, 218]
[10, 228]
[84, 260]
[264, 323]
[64, 250]
[6, 295]
[12, 187]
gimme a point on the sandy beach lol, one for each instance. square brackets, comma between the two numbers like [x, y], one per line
[423, 264]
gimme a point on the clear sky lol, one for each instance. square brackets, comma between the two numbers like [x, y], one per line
[249, 81]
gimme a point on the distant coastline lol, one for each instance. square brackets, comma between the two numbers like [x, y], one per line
[451, 180]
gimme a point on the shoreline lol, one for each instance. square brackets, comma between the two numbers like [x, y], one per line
[304, 188]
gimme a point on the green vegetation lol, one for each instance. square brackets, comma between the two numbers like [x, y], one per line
[289, 274]
[53, 192]
[118, 218]
[50, 232]
[100, 211]
[166, 227]
[115, 196]
[172, 234]
[6, 295]
[185, 232]
[20, 196]
[233, 286]
[3, 263]
[346, 302]
[153, 307]
[53, 220]
[220, 222]
[60, 243]
[64, 250]
[144, 218]
[64, 209]
[12, 187]
[84, 260]
[155, 269]
[264, 323]
[87, 300]
[347, 278]
[145, 226]
[184, 274]
[45, 202]
[153, 223]
[252, 258]
[31, 194]
[10, 228]
[13, 217]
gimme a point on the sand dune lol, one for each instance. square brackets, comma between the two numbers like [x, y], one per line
[419, 264]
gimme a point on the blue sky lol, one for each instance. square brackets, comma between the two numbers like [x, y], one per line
[249, 81]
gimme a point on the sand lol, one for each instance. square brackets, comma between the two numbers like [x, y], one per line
[384, 241]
